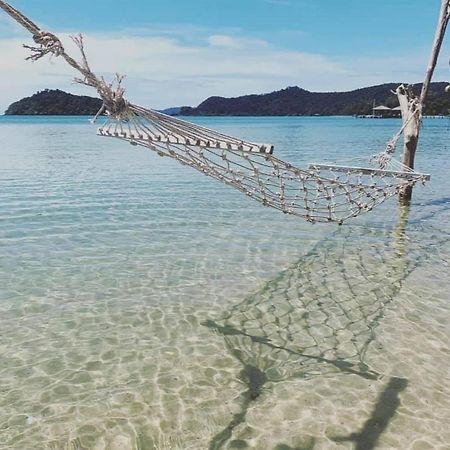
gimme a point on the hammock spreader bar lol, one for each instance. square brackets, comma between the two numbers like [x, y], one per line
[406, 175]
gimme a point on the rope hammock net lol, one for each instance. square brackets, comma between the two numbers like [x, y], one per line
[320, 193]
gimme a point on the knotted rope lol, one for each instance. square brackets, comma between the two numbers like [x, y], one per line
[385, 156]
[47, 43]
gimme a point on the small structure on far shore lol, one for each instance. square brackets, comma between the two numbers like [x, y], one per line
[382, 112]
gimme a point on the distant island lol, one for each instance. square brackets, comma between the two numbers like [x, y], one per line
[55, 103]
[292, 101]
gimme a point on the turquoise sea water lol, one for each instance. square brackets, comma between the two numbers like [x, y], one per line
[143, 305]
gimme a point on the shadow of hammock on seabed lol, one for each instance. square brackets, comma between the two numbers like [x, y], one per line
[319, 317]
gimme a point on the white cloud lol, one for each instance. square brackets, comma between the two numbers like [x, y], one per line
[168, 70]
[163, 71]
[9, 27]
[224, 41]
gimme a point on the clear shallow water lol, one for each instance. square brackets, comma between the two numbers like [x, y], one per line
[143, 305]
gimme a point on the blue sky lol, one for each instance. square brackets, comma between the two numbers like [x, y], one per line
[182, 51]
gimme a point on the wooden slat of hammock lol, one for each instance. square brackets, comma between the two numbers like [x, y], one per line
[180, 139]
[368, 171]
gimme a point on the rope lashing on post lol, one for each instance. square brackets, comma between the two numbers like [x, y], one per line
[321, 193]
[385, 156]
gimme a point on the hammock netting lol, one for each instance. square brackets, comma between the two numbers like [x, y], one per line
[321, 193]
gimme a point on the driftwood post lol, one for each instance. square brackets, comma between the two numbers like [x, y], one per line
[411, 106]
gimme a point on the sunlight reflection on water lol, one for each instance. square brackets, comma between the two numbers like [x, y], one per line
[143, 305]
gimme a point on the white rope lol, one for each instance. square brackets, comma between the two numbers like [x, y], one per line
[319, 194]
[383, 158]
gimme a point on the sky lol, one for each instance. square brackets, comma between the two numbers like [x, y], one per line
[180, 52]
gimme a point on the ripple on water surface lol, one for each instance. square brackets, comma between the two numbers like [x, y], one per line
[143, 306]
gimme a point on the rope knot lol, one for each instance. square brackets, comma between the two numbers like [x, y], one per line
[48, 43]
[382, 159]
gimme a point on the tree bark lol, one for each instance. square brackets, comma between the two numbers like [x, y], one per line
[411, 110]
[411, 106]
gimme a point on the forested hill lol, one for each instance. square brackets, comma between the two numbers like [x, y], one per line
[294, 101]
[55, 102]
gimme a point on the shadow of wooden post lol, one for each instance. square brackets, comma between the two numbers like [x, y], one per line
[385, 409]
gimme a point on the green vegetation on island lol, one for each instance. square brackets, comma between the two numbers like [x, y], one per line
[292, 101]
[55, 103]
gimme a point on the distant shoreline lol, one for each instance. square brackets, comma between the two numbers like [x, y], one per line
[314, 116]
[289, 102]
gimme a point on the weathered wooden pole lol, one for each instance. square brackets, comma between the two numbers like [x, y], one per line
[411, 106]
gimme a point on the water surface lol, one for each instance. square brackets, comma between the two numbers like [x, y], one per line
[143, 305]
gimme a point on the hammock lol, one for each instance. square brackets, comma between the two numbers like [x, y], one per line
[321, 193]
